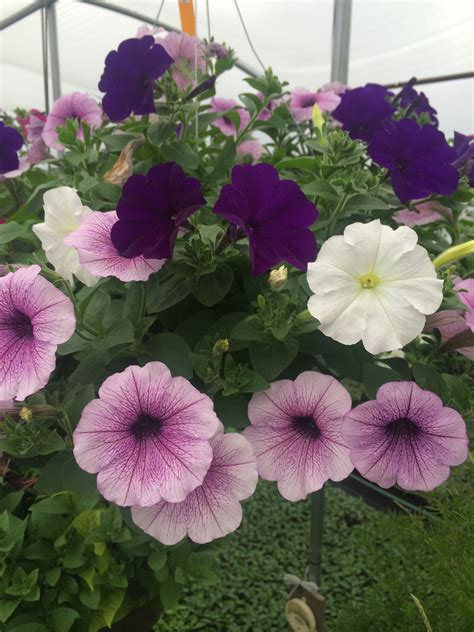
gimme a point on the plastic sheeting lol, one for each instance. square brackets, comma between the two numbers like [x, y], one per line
[391, 40]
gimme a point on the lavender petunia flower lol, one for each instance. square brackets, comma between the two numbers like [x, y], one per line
[188, 53]
[224, 123]
[405, 436]
[464, 148]
[426, 213]
[35, 317]
[98, 255]
[416, 102]
[252, 148]
[302, 101]
[212, 510]
[71, 106]
[296, 433]
[128, 77]
[10, 143]
[219, 51]
[335, 86]
[274, 214]
[451, 323]
[362, 110]
[151, 210]
[147, 436]
[417, 158]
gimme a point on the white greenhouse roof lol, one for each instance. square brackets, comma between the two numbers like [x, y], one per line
[391, 41]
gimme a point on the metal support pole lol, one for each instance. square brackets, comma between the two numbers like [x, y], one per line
[341, 35]
[53, 50]
[316, 536]
[22, 13]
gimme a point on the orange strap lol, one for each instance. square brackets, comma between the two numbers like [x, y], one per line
[186, 12]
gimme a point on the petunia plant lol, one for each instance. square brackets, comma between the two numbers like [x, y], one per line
[196, 292]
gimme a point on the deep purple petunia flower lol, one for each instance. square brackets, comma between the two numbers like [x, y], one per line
[464, 148]
[35, 317]
[362, 110]
[147, 436]
[296, 433]
[151, 210]
[128, 77]
[11, 141]
[405, 436]
[418, 159]
[416, 102]
[274, 214]
[212, 510]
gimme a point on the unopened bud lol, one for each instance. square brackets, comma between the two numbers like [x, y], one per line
[317, 116]
[26, 413]
[221, 346]
[454, 253]
[277, 278]
[123, 168]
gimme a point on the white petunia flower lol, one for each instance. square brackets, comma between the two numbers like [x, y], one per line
[63, 213]
[373, 284]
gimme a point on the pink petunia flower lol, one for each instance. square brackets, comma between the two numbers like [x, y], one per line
[147, 436]
[405, 436]
[186, 50]
[35, 317]
[271, 105]
[98, 255]
[212, 510]
[335, 86]
[224, 123]
[465, 291]
[450, 323]
[76, 105]
[302, 102]
[34, 125]
[296, 433]
[251, 148]
[426, 213]
[147, 29]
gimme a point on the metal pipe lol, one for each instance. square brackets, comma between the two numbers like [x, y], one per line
[438, 79]
[316, 536]
[145, 18]
[53, 50]
[23, 13]
[341, 36]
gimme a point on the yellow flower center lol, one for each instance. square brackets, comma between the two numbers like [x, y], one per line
[369, 281]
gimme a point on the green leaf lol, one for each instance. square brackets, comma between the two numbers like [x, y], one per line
[428, 378]
[157, 560]
[250, 329]
[173, 350]
[170, 592]
[62, 619]
[110, 604]
[62, 473]
[232, 411]
[90, 598]
[210, 289]
[363, 202]
[255, 382]
[459, 392]
[73, 345]
[117, 142]
[165, 294]
[376, 375]
[7, 608]
[75, 402]
[182, 153]
[52, 576]
[305, 163]
[10, 231]
[10, 501]
[320, 188]
[120, 332]
[271, 359]
[159, 132]
[225, 159]
[28, 627]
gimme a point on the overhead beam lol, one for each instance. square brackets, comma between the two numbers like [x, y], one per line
[341, 36]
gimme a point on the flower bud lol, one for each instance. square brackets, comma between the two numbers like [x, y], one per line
[454, 253]
[317, 116]
[277, 278]
[221, 346]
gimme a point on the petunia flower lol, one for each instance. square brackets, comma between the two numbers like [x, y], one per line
[465, 292]
[426, 213]
[34, 125]
[416, 102]
[212, 510]
[296, 433]
[147, 436]
[98, 255]
[76, 105]
[373, 284]
[147, 29]
[363, 110]
[11, 142]
[335, 86]
[405, 436]
[188, 53]
[417, 158]
[252, 148]
[224, 123]
[128, 77]
[151, 210]
[464, 162]
[35, 317]
[274, 214]
[63, 213]
[302, 101]
[23, 165]
[451, 323]
[219, 51]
